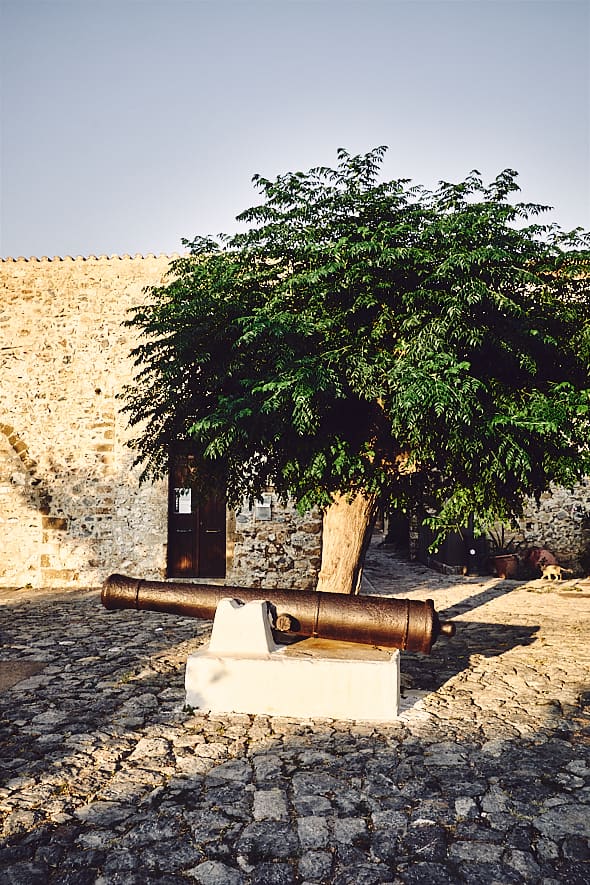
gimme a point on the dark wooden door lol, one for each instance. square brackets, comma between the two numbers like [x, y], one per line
[211, 544]
[196, 526]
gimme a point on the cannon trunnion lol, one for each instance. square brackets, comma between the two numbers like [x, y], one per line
[406, 624]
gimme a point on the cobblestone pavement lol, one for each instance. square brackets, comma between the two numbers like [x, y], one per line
[484, 778]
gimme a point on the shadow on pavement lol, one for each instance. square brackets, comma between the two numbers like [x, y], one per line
[494, 589]
[449, 657]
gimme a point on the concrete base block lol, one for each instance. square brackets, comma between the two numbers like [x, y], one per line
[311, 678]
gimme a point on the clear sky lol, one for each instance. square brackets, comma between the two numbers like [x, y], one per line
[129, 124]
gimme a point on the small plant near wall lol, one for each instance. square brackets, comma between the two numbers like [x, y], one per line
[504, 547]
[504, 541]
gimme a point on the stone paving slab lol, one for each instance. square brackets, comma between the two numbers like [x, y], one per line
[485, 777]
[15, 671]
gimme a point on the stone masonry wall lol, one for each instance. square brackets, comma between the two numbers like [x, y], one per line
[71, 507]
[282, 551]
[64, 357]
[561, 524]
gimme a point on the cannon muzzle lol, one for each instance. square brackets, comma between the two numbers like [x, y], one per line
[407, 624]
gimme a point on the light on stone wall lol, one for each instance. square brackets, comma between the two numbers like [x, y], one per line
[263, 509]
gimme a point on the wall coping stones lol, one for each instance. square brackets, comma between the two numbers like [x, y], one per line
[137, 257]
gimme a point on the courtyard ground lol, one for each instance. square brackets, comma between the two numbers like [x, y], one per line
[484, 778]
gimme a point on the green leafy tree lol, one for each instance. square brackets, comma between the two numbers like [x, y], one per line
[367, 341]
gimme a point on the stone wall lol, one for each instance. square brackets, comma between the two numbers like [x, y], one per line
[281, 551]
[561, 524]
[71, 506]
[64, 357]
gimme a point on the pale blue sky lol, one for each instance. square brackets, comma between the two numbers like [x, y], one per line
[128, 124]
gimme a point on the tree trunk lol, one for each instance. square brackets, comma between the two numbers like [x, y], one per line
[346, 534]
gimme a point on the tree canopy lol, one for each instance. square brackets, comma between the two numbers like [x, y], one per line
[427, 347]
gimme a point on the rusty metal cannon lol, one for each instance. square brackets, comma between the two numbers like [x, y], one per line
[407, 624]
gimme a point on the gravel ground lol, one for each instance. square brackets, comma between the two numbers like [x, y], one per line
[484, 777]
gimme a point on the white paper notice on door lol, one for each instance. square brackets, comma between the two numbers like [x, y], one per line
[182, 498]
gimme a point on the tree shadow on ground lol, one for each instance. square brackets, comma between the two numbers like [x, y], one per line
[494, 589]
[449, 657]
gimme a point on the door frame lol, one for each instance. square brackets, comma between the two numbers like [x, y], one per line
[202, 559]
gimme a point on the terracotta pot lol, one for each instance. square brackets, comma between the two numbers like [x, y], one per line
[506, 566]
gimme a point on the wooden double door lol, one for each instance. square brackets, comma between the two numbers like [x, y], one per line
[196, 525]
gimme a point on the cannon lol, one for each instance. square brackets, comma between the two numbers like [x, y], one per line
[406, 624]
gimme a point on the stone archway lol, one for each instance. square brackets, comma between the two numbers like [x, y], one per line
[20, 519]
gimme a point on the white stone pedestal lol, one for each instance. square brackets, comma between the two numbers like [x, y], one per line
[242, 670]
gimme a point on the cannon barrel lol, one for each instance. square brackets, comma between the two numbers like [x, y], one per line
[407, 624]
